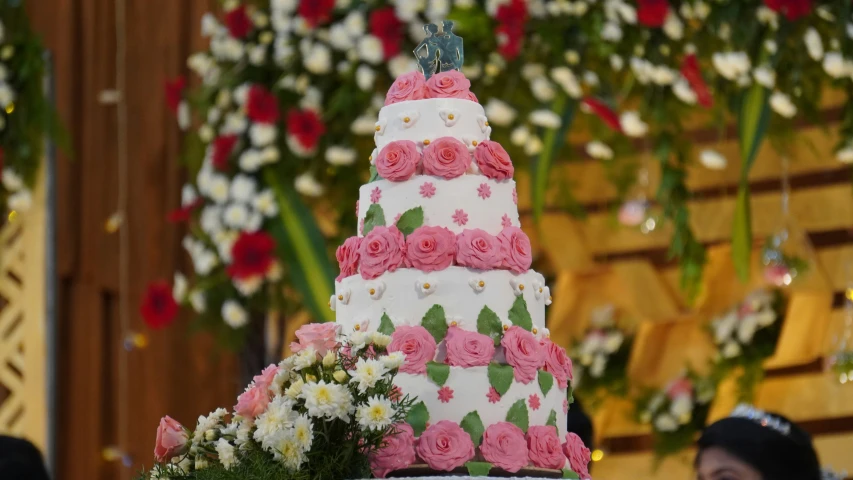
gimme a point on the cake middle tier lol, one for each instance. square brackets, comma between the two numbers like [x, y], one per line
[469, 201]
[407, 294]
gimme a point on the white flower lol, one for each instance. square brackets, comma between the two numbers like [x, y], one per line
[782, 104]
[318, 60]
[305, 358]
[179, 289]
[257, 54]
[303, 431]
[633, 125]
[367, 373]
[288, 451]
[765, 318]
[249, 286]
[376, 415]
[746, 329]
[243, 188]
[545, 118]
[835, 65]
[401, 64]
[845, 155]
[393, 360]
[234, 315]
[613, 341]
[363, 125]
[364, 77]
[682, 90]
[295, 389]
[767, 16]
[370, 49]
[663, 75]
[339, 38]
[250, 160]
[262, 134]
[340, 155]
[307, 185]
[542, 89]
[533, 146]
[666, 423]
[642, 69]
[599, 150]
[567, 81]
[324, 400]
[765, 76]
[355, 24]
[611, 32]
[197, 301]
[499, 112]
[478, 284]
[210, 219]
[426, 286]
[672, 26]
[616, 62]
[7, 95]
[731, 349]
[279, 415]
[11, 180]
[814, 45]
[599, 363]
[519, 136]
[21, 200]
[531, 71]
[712, 159]
[209, 25]
[225, 451]
[380, 339]
[227, 48]
[682, 408]
[731, 65]
[265, 203]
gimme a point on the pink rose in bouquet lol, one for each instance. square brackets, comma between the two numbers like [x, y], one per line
[171, 440]
[468, 349]
[681, 386]
[409, 86]
[504, 446]
[446, 157]
[544, 447]
[445, 446]
[322, 337]
[451, 84]
[398, 160]
[477, 249]
[417, 344]
[557, 363]
[523, 353]
[431, 248]
[382, 250]
[347, 255]
[397, 452]
[265, 379]
[493, 160]
[578, 455]
[515, 249]
[252, 402]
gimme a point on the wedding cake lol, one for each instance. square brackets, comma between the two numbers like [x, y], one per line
[441, 264]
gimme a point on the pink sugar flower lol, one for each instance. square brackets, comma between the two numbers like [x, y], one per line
[375, 195]
[427, 190]
[445, 394]
[493, 395]
[460, 217]
[533, 401]
[515, 196]
[484, 191]
[565, 405]
[505, 221]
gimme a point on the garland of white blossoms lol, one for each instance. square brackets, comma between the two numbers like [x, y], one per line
[601, 357]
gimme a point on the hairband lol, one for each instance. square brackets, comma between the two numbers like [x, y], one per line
[761, 417]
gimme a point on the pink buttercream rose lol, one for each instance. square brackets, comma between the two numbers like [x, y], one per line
[523, 353]
[578, 455]
[409, 86]
[171, 439]
[493, 160]
[322, 337]
[450, 84]
[252, 402]
[477, 249]
[382, 250]
[398, 160]
[431, 248]
[446, 157]
[468, 349]
[557, 363]
[504, 446]
[265, 379]
[543, 447]
[679, 387]
[347, 255]
[445, 446]
[397, 451]
[515, 249]
[417, 344]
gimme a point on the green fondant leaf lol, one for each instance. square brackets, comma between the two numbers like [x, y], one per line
[570, 394]
[386, 326]
[518, 415]
[489, 324]
[552, 419]
[519, 315]
[410, 220]
[478, 469]
[546, 381]
[500, 377]
[473, 426]
[418, 418]
[374, 174]
[374, 217]
[570, 474]
[435, 322]
[438, 372]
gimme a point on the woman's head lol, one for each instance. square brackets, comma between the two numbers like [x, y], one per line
[753, 445]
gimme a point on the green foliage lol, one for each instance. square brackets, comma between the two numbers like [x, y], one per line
[438, 372]
[489, 324]
[546, 381]
[552, 419]
[435, 322]
[473, 426]
[410, 220]
[519, 415]
[385, 325]
[500, 377]
[418, 418]
[570, 474]
[374, 217]
[479, 469]
[519, 315]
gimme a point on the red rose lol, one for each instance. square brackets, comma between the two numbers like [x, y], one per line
[223, 146]
[238, 23]
[605, 113]
[252, 254]
[175, 92]
[261, 105]
[792, 9]
[305, 127]
[652, 13]
[158, 308]
[316, 12]
[179, 215]
[511, 18]
[690, 70]
[385, 25]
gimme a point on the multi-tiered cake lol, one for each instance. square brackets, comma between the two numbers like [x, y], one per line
[441, 265]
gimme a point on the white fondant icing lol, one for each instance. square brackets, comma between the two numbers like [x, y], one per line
[403, 299]
[449, 115]
[450, 195]
[430, 125]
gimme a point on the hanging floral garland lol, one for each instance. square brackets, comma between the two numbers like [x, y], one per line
[601, 358]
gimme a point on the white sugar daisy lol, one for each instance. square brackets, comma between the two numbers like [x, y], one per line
[376, 415]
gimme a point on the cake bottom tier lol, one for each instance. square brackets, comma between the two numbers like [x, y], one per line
[422, 472]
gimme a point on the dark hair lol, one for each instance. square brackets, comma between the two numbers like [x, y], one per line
[579, 423]
[20, 460]
[775, 455]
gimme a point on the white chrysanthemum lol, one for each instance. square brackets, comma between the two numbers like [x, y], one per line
[286, 449]
[642, 69]
[724, 327]
[11, 180]
[613, 341]
[533, 146]
[210, 219]
[402, 64]
[599, 150]
[305, 358]
[225, 451]
[188, 195]
[307, 185]
[355, 23]
[336, 155]
[367, 373]
[217, 189]
[235, 124]
[236, 215]
[437, 10]
[519, 136]
[327, 400]
[663, 75]
[283, 52]
[248, 286]
[312, 99]
[566, 79]
[209, 25]
[227, 48]
[363, 125]
[254, 222]
[681, 407]
[380, 339]
[179, 288]
[339, 38]
[611, 32]
[279, 415]
[270, 155]
[206, 423]
[262, 134]
[265, 203]
[7, 95]
[835, 66]
[633, 125]
[393, 360]
[682, 90]
[376, 415]
[767, 16]
[731, 65]
[225, 243]
[845, 155]
[295, 389]
[672, 26]
[542, 89]
[318, 60]
[499, 112]
[814, 45]
[599, 363]
[545, 118]
[731, 349]
[765, 76]
[198, 302]
[746, 329]
[303, 430]
[616, 62]
[782, 104]
[712, 160]
[666, 423]
[234, 315]
[364, 77]
[370, 49]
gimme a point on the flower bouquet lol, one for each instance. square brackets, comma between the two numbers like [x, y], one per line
[330, 411]
[602, 357]
[677, 412]
[841, 364]
[746, 336]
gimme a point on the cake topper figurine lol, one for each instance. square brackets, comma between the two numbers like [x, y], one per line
[439, 51]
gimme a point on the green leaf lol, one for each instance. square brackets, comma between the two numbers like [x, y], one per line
[478, 469]
[570, 474]
[553, 141]
[519, 315]
[570, 395]
[518, 415]
[489, 324]
[417, 418]
[410, 220]
[438, 372]
[742, 233]
[546, 381]
[386, 326]
[473, 426]
[374, 174]
[552, 419]
[299, 240]
[435, 322]
[500, 377]
[374, 217]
